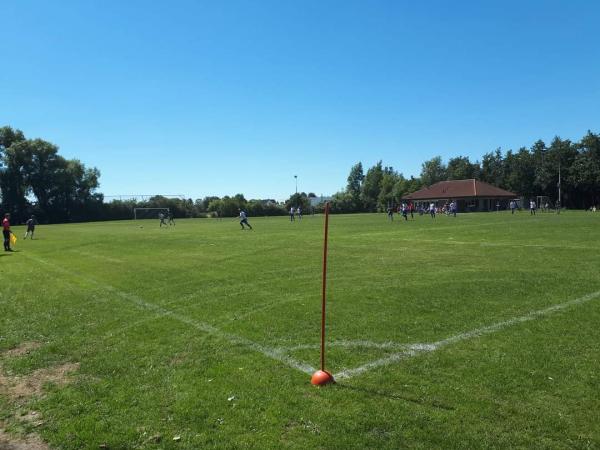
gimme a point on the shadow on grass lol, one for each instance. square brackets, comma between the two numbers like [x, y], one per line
[395, 396]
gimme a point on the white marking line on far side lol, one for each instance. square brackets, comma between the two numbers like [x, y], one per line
[416, 349]
[269, 352]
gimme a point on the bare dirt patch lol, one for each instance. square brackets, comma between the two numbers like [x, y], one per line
[20, 387]
[33, 418]
[32, 384]
[23, 349]
[29, 442]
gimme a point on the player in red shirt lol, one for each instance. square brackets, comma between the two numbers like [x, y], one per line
[6, 232]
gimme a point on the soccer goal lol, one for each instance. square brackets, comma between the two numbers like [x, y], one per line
[149, 213]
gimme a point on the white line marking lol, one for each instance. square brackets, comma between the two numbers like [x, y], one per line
[269, 352]
[503, 244]
[416, 349]
[95, 256]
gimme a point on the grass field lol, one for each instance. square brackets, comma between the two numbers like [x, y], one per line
[471, 332]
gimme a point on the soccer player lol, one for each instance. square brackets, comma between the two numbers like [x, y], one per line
[244, 219]
[411, 208]
[299, 213]
[390, 213]
[532, 208]
[292, 214]
[432, 210]
[161, 217]
[171, 219]
[31, 223]
[405, 211]
[6, 232]
[513, 206]
[453, 208]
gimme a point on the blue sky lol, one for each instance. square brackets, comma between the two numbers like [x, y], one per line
[215, 98]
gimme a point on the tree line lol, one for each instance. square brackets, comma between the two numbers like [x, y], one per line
[528, 172]
[35, 179]
[210, 206]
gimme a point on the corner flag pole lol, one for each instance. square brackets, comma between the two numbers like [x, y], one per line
[321, 377]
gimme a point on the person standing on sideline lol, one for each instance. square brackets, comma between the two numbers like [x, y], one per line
[244, 219]
[532, 208]
[432, 210]
[6, 232]
[31, 223]
[292, 214]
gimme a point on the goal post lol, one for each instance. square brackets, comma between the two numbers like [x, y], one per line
[149, 213]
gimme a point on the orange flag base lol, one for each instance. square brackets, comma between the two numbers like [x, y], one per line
[321, 378]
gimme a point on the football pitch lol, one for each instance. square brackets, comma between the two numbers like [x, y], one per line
[471, 332]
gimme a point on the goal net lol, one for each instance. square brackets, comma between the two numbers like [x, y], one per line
[149, 213]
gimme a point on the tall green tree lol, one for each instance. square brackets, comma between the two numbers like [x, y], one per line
[8, 137]
[584, 175]
[354, 186]
[387, 194]
[433, 171]
[519, 169]
[12, 181]
[371, 187]
[460, 168]
[492, 168]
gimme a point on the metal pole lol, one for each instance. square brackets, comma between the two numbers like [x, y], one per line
[559, 192]
[324, 287]
[296, 177]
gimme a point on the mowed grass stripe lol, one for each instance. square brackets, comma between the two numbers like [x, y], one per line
[416, 349]
[199, 325]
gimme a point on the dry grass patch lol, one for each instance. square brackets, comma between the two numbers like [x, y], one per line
[29, 442]
[26, 386]
[29, 385]
[23, 349]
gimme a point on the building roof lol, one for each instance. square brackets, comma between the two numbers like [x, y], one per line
[459, 189]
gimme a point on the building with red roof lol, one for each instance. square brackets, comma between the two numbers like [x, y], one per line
[470, 195]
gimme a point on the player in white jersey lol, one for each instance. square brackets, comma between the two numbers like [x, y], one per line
[244, 220]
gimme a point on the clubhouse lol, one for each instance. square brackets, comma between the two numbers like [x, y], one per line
[470, 195]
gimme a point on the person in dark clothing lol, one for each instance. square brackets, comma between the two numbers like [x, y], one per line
[31, 223]
[6, 232]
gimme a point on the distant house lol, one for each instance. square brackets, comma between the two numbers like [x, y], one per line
[314, 201]
[470, 195]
